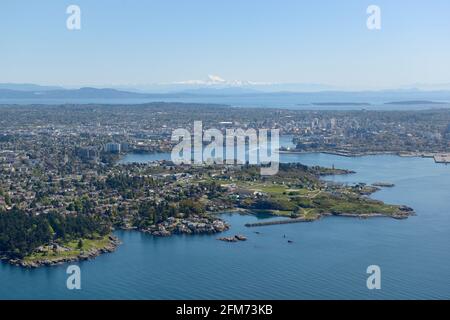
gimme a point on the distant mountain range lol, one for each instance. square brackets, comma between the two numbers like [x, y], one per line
[82, 93]
[400, 97]
[27, 87]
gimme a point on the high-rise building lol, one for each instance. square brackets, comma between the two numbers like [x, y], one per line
[112, 147]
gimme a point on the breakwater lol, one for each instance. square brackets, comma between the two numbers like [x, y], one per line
[284, 221]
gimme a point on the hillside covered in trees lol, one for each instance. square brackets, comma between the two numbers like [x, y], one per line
[21, 234]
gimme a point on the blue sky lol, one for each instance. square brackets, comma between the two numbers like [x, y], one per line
[164, 41]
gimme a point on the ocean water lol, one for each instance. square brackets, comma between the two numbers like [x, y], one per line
[327, 259]
[288, 101]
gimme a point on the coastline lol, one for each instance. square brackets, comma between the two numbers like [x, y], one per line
[404, 213]
[438, 157]
[112, 242]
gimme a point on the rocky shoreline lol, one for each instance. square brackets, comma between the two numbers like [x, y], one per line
[403, 213]
[235, 238]
[113, 243]
[191, 225]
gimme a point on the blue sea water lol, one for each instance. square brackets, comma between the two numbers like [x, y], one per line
[288, 101]
[327, 259]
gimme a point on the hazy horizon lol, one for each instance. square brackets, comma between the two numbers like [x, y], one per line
[226, 87]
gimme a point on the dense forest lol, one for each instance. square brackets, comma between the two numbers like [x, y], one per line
[21, 234]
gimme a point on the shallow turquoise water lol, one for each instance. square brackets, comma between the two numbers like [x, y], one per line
[328, 258]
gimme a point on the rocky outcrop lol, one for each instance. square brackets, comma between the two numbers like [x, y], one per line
[228, 239]
[403, 212]
[236, 238]
[84, 255]
[241, 237]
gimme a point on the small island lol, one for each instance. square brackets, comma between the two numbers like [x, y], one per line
[340, 104]
[413, 102]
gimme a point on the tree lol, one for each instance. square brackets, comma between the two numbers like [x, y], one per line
[7, 199]
[80, 244]
[21, 233]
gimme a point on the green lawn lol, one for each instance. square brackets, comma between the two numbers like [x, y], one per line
[74, 251]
